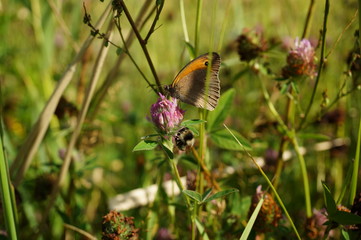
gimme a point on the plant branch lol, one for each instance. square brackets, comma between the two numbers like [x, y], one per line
[204, 168]
[308, 18]
[115, 72]
[85, 106]
[268, 182]
[29, 148]
[356, 165]
[292, 135]
[306, 184]
[143, 45]
[198, 25]
[320, 67]
[156, 18]
[117, 24]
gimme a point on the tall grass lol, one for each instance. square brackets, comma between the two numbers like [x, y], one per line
[77, 83]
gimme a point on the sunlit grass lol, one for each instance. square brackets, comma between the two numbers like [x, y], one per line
[40, 40]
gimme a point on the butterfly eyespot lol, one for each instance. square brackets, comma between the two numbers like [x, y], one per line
[206, 63]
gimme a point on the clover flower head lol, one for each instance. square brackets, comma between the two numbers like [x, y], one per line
[117, 226]
[251, 44]
[165, 114]
[270, 212]
[300, 60]
[314, 227]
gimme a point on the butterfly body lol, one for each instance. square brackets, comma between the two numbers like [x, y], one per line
[192, 86]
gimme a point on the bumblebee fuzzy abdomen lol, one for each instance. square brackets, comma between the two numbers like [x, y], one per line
[184, 138]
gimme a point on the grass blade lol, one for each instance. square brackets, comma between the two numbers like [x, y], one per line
[7, 203]
[201, 230]
[29, 148]
[251, 220]
[270, 185]
[356, 165]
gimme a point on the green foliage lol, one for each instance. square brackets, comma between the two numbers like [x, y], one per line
[217, 117]
[145, 145]
[337, 216]
[50, 54]
[207, 196]
[224, 140]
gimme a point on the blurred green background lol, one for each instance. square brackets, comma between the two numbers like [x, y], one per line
[40, 38]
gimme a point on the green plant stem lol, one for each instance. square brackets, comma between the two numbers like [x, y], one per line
[8, 206]
[178, 180]
[269, 184]
[356, 165]
[292, 136]
[192, 211]
[272, 108]
[184, 22]
[143, 46]
[205, 170]
[306, 184]
[283, 144]
[114, 72]
[98, 66]
[156, 18]
[280, 162]
[198, 25]
[202, 151]
[308, 18]
[320, 67]
[28, 150]
[224, 25]
[117, 24]
[359, 23]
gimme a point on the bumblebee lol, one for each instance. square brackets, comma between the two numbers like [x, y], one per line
[184, 138]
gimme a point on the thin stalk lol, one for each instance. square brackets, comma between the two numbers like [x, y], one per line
[339, 95]
[84, 109]
[63, 26]
[272, 108]
[156, 18]
[198, 25]
[204, 168]
[202, 149]
[224, 25]
[117, 24]
[280, 162]
[114, 72]
[269, 184]
[291, 134]
[192, 210]
[359, 23]
[320, 67]
[184, 22]
[283, 144]
[306, 184]
[178, 180]
[342, 33]
[194, 227]
[357, 157]
[80, 231]
[308, 18]
[356, 165]
[28, 150]
[6, 197]
[143, 45]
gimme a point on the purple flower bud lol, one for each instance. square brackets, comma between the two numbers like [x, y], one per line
[300, 60]
[166, 114]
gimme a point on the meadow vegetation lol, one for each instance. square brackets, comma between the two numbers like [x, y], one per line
[278, 158]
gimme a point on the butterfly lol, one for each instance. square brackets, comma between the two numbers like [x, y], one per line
[192, 86]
